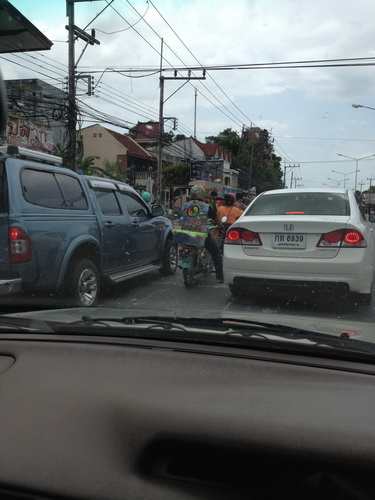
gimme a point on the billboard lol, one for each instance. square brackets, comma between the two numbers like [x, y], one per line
[29, 134]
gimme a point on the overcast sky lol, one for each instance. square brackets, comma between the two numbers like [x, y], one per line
[307, 110]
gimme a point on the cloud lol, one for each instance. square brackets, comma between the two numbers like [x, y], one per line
[305, 102]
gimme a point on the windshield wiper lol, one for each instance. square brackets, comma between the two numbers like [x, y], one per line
[150, 322]
[267, 331]
[226, 332]
[219, 330]
[14, 324]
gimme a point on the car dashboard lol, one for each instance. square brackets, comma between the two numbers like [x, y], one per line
[112, 418]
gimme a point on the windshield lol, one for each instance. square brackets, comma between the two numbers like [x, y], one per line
[195, 163]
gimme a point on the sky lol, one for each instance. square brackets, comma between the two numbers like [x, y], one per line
[307, 108]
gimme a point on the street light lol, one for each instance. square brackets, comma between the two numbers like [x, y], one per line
[361, 106]
[335, 180]
[345, 175]
[356, 162]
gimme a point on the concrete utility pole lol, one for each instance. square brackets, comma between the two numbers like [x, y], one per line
[291, 167]
[195, 113]
[72, 112]
[161, 117]
[74, 31]
[250, 167]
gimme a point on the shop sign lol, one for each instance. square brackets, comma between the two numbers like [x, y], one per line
[26, 133]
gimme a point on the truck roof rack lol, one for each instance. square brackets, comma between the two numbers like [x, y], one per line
[31, 154]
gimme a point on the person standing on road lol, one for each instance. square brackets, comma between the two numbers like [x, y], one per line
[195, 216]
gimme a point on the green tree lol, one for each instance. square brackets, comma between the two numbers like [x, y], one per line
[175, 175]
[87, 164]
[228, 139]
[132, 132]
[258, 165]
[110, 170]
[179, 137]
[58, 150]
[168, 138]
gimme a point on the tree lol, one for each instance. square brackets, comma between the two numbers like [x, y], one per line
[132, 132]
[228, 139]
[175, 175]
[58, 150]
[110, 170]
[167, 138]
[257, 163]
[180, 137]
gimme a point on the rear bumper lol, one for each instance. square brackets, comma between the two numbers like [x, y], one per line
[10, 286]
[286, 285]
[355, 277]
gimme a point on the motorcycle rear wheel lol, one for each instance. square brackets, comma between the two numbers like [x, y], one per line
[208, 263]
[188, 273]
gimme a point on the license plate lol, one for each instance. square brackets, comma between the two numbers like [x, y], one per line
[285, 240]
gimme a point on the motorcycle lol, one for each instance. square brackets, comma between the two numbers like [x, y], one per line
[196, 261]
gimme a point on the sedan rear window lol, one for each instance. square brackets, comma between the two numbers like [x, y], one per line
[301, 204]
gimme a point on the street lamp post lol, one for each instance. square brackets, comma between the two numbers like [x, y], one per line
[356, 162]
[334, 180]
[345, 175]
[361, 106]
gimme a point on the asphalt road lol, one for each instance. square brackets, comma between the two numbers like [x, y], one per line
[169, 293]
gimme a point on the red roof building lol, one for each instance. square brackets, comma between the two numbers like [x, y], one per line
[104, 144]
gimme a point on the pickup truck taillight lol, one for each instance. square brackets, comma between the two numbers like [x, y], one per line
[19, 246]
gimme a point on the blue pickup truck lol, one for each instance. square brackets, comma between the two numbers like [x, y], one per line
[73, 233]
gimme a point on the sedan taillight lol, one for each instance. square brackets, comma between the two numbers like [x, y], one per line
[19, 246]
[344, 238]
[240, 236]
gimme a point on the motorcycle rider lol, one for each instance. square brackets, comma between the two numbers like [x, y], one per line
[229, 210]
[195, 215]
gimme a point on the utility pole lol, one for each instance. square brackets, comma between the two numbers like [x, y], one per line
[72, 111]
[195, 113]
[161, 118]
[369, 192]
[250, 167]
[291, 167]
[74, 31]
[159, 173]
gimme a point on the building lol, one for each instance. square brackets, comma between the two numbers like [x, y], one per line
[256, 142]
[147, 133]
[106, 145]
[219, 161]
[38, 105]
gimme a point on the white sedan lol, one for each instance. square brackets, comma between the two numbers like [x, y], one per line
[315, 238]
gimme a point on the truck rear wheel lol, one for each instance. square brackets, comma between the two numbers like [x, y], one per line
[82, 283]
